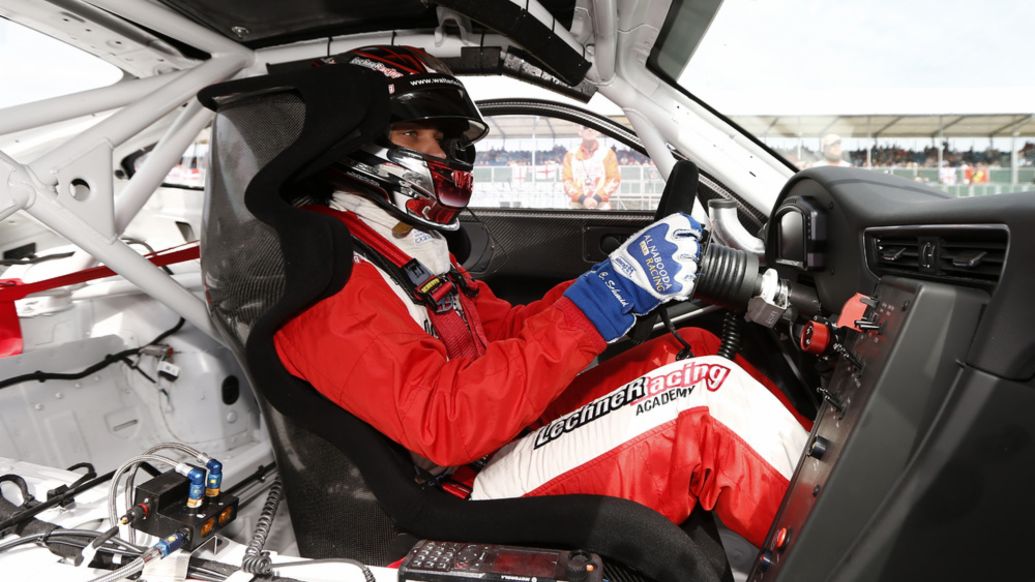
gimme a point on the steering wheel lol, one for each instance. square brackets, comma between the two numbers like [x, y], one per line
[679, 195]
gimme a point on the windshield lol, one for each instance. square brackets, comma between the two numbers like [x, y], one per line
[935, 91]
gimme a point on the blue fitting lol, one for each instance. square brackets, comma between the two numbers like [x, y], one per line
[215, 478]
[170, 544]
[196, 476]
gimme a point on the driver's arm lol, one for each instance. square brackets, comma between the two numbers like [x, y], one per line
[361, 349]
[500, 319]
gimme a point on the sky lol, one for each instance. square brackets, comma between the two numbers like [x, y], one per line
[870, 56]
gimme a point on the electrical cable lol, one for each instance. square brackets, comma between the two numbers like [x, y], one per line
[687, 351]
[150, 249]
[22, 486]
[35, 510]
[86, 537]
[34, 259]
[367, 574]
[256, 561]
[108, 360]
[60, 535]
[730, 335]
[126, 571]
[260, 474]
[30, 539]
[87, 552]
[79, 546]
[91, 472]
[136, 366]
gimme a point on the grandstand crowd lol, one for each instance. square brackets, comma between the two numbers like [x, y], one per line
[507, 157]
[958, 167]
[891, 156]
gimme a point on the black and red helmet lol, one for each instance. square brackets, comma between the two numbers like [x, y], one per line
[418, 188]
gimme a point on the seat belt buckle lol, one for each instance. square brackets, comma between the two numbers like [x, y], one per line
[436, 292]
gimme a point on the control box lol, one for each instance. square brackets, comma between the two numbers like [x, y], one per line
[166, 498]
[431, 561]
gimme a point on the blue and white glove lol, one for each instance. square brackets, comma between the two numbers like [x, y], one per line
[657, 264]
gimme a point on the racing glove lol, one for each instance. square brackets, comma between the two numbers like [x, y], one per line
[655, 265]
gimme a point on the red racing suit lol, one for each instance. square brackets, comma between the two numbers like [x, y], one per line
[641, 425]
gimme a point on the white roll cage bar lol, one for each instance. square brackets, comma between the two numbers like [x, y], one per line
[70, 189]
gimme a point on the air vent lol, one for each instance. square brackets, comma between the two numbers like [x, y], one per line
[967, 255]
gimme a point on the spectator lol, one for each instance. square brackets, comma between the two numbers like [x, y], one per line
[947, 174]
[832, 152]
[980, 174]
[591, 173]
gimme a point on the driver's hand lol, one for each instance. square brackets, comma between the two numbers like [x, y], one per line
[657, 264]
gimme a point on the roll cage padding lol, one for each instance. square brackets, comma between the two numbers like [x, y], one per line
[265, 260]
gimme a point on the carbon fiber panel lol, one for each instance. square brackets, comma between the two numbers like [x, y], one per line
[242, 262]
[333, 512]
[545, 244]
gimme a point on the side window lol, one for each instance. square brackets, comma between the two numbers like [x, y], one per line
[540, 162]
[34, 66]
[193, 166]
[189, 173]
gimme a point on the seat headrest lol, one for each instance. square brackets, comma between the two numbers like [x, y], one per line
[264, 260]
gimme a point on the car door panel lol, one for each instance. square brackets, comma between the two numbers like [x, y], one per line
[550, 245]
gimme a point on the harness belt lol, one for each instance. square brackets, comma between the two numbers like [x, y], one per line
[447, 297]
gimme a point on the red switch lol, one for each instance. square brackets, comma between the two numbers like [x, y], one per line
[780, 540]
[815, 338]
[854, 310]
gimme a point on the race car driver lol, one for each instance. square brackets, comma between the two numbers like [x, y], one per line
[432, 359]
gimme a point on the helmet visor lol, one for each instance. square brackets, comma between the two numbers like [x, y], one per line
[453, 185]
[445, 185]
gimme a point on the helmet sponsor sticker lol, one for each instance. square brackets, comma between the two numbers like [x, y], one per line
[377, 66]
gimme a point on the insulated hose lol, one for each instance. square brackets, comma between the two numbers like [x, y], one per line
[727, 276]
[256, 561]
[730, 335]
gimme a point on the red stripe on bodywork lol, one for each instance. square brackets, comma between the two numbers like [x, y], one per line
[12, 290]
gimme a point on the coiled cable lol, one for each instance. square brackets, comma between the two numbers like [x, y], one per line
[256, 561]
[730, 335]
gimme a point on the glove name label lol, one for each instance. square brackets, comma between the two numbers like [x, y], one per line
[612, 286]
[657, 270]
[645, 393]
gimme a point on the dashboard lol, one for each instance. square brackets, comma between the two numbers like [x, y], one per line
[925, 426]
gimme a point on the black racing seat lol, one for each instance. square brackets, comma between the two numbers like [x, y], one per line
[350, 490]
